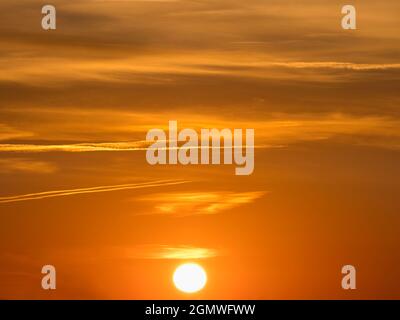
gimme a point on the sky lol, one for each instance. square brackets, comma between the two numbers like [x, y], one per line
[77, 192]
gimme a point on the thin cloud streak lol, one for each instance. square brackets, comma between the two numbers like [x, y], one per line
[93, 147]
[169, 252]
[190, 203]
[274, 131]
[69, 192]
[79, 147]
[26, 166]
[337, 65]
[140, 252]
[7, 132]
[132, 70]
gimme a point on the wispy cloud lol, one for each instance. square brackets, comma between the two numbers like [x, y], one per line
[158, 69]
[335, 65]
[189, 203]
[78, 147]
[272, 130]
[226, 47]
[7, 132]
[169, 252]
[26, 165]
[139, 252]
[77, 191]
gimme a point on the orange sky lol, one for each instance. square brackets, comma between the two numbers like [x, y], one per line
[75, 106]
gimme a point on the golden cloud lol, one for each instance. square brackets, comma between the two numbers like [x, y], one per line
[26, 165]
[189, 203]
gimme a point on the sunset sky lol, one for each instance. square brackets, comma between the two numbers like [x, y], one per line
[77, 192]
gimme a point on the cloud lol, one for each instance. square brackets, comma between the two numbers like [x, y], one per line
[335, 65]
[189, 203]
[92, 147]
[116, 42]
[138, 252]
[292, 129]
[79, 147]
[26, 165]
[271, 130]
[167, 67]
[168, 252]
[77, 191]
[7, 132]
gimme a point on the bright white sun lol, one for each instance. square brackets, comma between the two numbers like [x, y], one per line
[190, 277]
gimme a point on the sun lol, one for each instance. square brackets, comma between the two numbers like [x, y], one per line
[190, 277]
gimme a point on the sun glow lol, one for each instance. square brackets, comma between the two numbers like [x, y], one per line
[190, 277]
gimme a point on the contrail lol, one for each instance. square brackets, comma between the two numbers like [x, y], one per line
[79, 147]
[68, 192]
[97, 147]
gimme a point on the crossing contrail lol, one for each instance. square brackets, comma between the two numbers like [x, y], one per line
[69, 192]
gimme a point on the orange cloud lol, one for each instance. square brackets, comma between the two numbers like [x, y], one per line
[145, 252]
[7, 132]
[188, 203]
[169, 252]
[26, 165]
